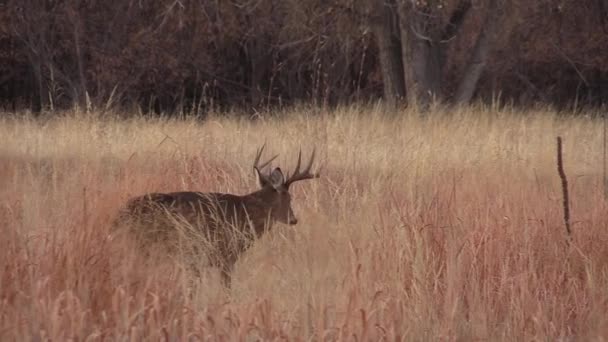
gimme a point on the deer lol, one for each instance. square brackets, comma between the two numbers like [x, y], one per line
[221, 225]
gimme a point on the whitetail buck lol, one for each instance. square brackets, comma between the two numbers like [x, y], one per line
[222, 226]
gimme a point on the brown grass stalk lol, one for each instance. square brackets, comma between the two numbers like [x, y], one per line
[564, 183]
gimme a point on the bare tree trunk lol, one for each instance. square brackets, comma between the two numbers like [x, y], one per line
[42, 98]
[421, 55]
[40, 90]
[424, 43]
[259, 65]
[389, 50]
[82, 92]
[477, 62]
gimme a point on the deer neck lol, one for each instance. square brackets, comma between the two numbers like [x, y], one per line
[259, 207]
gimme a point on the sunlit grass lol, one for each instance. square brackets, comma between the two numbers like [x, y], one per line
[444, 227]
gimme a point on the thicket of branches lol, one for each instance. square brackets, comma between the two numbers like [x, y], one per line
[189, 55]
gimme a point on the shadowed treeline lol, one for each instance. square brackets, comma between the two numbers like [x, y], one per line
[194, 56]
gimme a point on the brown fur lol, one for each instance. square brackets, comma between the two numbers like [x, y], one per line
[223, 226]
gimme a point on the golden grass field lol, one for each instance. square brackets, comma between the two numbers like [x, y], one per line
[420, 229]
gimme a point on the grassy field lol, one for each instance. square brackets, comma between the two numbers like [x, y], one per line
[443, 228]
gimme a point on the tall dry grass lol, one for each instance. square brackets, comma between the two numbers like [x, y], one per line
[444, 228]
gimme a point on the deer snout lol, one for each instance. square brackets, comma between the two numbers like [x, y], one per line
[293, 221]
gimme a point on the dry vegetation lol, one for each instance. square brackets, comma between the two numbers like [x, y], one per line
[443, 228]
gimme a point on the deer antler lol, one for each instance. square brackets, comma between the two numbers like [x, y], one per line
[302, 175]
[256, 162]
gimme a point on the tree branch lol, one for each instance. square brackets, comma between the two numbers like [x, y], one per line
[456, 20]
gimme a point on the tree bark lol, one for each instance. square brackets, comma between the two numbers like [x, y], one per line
[477, 62]
[424, 43]
[421, 56]
[389, 51]
[82, 93]
[41, 93]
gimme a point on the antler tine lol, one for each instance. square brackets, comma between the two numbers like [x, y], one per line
[312, 159]
[297, 169]
[259, 155]
[305, 174]
[268, 162]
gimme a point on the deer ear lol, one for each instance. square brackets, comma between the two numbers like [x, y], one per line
[261, 180]
[276, 178]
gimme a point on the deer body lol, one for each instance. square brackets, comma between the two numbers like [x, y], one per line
[222, 225]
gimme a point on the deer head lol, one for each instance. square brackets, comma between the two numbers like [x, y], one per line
[275, 186]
